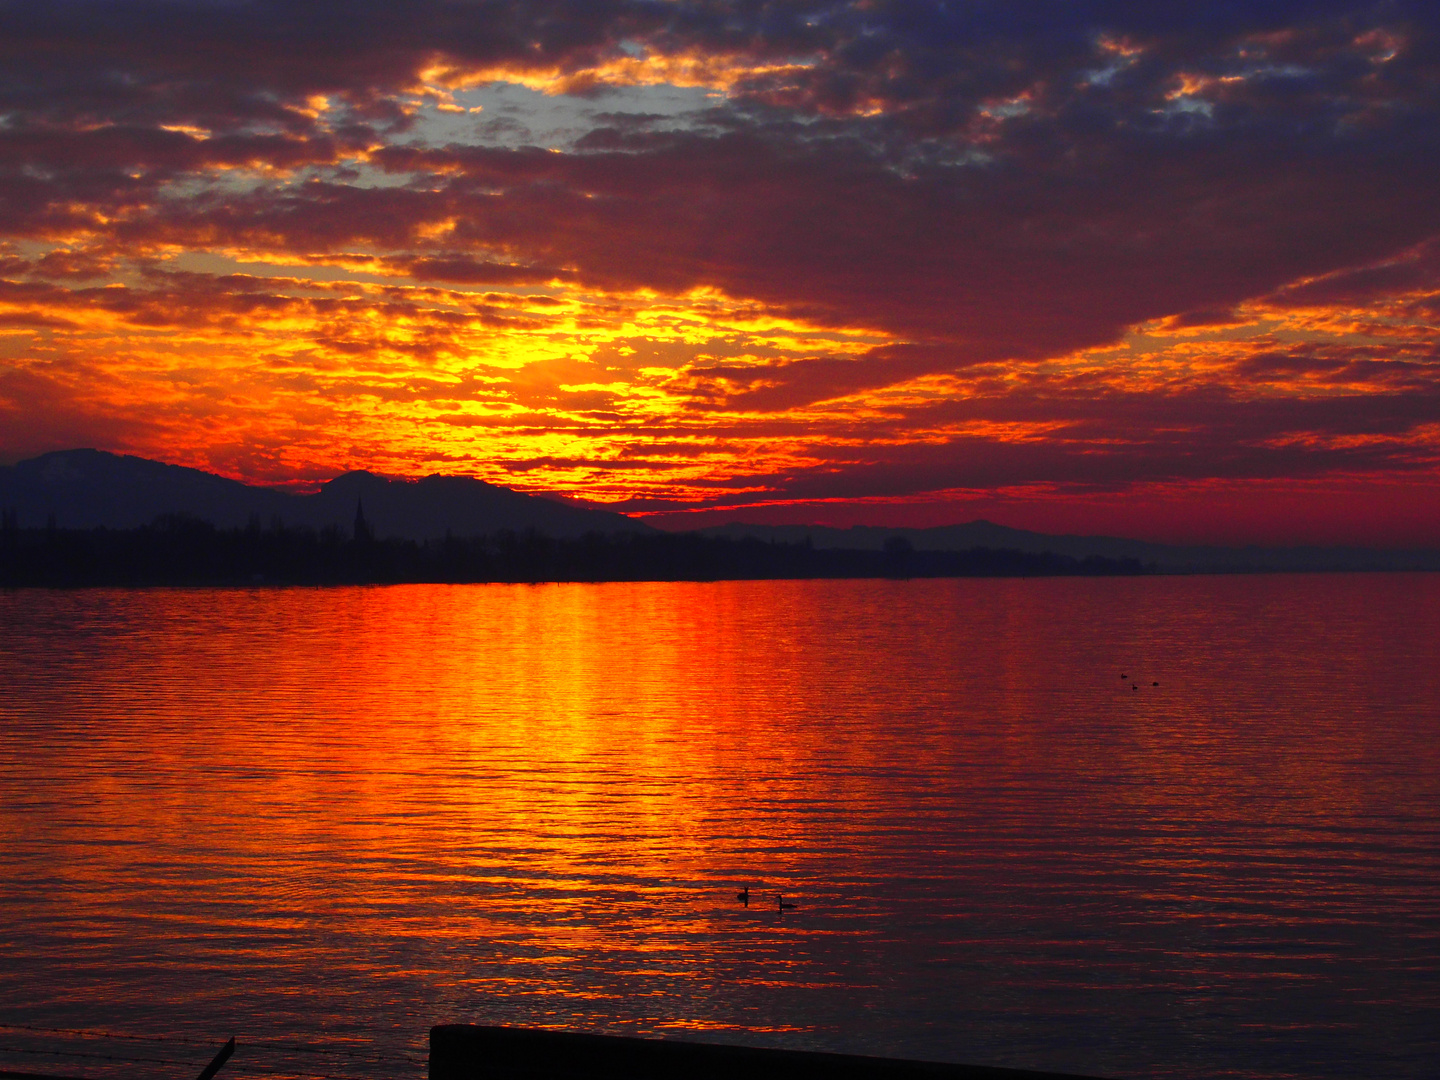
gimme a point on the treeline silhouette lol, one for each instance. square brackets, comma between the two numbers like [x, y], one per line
[179, 550]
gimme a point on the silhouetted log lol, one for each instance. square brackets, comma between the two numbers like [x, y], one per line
[217, 1061]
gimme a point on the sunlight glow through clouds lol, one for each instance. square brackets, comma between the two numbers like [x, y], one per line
[853, 256]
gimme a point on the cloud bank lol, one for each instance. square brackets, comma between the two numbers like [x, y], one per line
[818, 261]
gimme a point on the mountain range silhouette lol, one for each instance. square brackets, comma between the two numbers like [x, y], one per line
[1166, 558]
[86, 489]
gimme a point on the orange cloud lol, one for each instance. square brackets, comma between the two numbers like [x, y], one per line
[891, 262]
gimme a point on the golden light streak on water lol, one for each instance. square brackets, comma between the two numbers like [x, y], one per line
[340, 816]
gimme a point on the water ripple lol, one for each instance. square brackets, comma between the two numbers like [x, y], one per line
[340, 816]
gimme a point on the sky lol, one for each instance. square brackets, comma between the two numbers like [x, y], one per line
[1162, 270]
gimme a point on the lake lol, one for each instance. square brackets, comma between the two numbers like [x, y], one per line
[323, 820]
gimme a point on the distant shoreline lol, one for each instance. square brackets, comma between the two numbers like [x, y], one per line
[86, 490]
[186, 551]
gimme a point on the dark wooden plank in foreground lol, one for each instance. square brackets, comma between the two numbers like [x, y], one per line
[466, 1052]
[6, 1074]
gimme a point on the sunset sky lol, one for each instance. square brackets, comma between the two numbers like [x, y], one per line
[1160, 270]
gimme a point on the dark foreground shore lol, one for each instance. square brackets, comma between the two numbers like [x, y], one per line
[465, 1052]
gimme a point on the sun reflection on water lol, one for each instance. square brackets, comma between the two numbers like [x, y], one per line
[345, 815]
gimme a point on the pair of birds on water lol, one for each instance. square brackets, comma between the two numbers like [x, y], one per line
[744, 897]
[1135, 686]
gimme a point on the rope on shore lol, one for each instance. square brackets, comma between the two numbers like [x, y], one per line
[283, 1070]
[103, 1057]
[90, 1033]
[301, 1048]
[274, 1046]
[242, 1066]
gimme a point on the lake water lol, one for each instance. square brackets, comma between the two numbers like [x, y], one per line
[330, 818]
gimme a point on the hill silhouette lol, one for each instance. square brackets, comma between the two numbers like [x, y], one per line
[1166, 558]
[89, 489]
[86, 489]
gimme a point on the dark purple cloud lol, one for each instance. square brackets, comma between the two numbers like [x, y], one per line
[985, 187]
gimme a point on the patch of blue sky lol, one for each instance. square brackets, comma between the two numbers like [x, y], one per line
[1103, 76]
[511, 115]
[359, 174]
[1189, 103]
[221, 265]
[1187, 107]
[218, 264]
[1006, 110]
[1277, 71]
